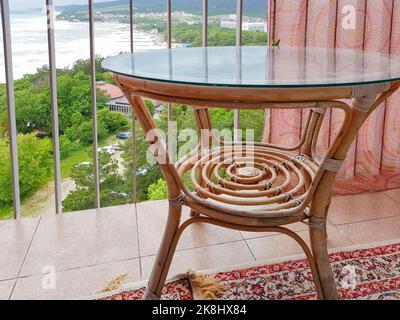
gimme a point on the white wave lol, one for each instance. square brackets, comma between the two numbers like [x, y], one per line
[29, 42]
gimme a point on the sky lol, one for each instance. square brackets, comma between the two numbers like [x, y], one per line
[33, 4]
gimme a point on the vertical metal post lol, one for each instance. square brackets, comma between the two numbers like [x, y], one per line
[131, 23]
[134, 158]
[12, 126]
[239, 21]
[94, 105]
[205, 37]
[54, 105]
[205, 23]
[169, 44]
[169, 24]
[239, 24]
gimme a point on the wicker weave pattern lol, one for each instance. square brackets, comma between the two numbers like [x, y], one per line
[251, 176]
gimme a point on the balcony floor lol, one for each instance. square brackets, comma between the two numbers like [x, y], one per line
[90, 248]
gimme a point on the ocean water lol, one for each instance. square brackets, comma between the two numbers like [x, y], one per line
[29, 42]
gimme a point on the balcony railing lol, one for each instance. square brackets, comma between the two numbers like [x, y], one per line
[8, 60]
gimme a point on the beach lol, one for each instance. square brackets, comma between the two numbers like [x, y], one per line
[29, 42]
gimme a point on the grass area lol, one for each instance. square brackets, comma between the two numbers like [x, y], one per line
[6, 213]
[81, 155]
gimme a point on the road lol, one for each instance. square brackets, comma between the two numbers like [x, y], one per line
[42, 202]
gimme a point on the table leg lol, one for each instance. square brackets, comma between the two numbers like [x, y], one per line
[320, 205]
[165, 254]
[319, 246]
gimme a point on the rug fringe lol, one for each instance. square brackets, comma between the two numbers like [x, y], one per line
[205, 287]
[114, 284]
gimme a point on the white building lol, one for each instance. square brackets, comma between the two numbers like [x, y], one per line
[248, 25]
[255, 26]
[228, 24]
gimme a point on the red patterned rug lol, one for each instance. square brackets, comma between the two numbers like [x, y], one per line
[372, 273]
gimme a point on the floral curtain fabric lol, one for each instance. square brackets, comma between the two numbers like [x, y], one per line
[373, 163]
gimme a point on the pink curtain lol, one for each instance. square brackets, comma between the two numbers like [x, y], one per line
[373, 163]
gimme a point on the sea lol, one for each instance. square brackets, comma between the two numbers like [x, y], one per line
[29, 42]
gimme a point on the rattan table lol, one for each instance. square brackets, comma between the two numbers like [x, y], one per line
[249, 185]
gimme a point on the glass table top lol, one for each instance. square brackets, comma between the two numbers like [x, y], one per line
[258, 66]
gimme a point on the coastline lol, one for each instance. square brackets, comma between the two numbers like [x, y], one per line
[29, 42]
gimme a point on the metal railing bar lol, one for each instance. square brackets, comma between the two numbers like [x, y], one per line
[239, 24]
[271, 20]
[169, 44]
[271, 8]
[12, 126]
[169, 23]
[134, 158]
[205, 23]
[54, 104]
[131, 24]
[94, 105]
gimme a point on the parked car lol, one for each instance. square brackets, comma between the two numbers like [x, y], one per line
[83, 164]
[119, 194]
[117, 147]
[142, 171]
[124, 135]
[108, 149]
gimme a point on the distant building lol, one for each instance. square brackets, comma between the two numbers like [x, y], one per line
[260, 26]
[228, 24]
[255, 24]
[119, 103]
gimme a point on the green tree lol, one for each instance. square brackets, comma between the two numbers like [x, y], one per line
[83, 133]
[34, 163]
[32, 99]
[217, 36]
[158, 190]
[112, 121]
[113, 189]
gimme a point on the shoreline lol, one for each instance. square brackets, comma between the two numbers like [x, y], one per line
[30, 50]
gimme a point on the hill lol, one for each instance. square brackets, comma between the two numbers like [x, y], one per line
[256, 8]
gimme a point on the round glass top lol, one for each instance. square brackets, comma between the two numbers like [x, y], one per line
[258, 66]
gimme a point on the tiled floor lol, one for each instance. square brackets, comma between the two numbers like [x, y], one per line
[88, 249]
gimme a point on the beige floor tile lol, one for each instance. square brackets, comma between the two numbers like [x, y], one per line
[363, 207]
[152, 217]
[373, 231]
[15, 237]
[394, 194]
[83, 239]
[5, 289]
[77, 283]
[217, 256]
[280, 246]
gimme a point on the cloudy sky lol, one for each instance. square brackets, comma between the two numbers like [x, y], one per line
[29, 4]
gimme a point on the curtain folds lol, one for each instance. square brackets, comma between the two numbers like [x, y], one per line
[373, 163]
